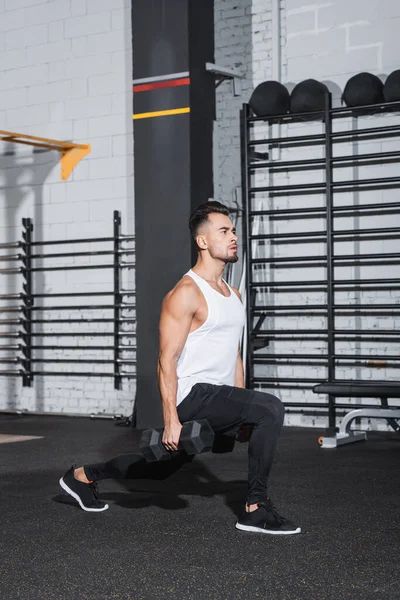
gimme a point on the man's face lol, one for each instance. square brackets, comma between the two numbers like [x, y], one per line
[218, 236]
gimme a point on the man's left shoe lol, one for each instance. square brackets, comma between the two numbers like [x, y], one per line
[266, 519]
[84, 493]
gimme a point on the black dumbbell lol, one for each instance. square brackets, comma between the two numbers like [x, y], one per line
[196, 437]
[225, 442]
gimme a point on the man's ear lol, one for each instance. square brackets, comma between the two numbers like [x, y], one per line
[201, 242]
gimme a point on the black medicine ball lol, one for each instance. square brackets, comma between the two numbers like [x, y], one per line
[363, 89]
[391, 89]
[270, 98]
[308, 96]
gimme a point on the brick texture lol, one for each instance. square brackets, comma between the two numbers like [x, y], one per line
[329, 41]
[66, 73]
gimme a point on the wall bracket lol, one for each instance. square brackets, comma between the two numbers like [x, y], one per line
[71, 154]
[223, 73]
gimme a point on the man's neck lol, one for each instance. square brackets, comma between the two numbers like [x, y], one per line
[211, 271]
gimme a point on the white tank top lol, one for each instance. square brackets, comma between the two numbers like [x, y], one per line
[210, 352]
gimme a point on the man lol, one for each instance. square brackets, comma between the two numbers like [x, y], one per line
[200, 374]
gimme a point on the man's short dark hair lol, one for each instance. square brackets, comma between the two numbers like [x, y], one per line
[200, 215]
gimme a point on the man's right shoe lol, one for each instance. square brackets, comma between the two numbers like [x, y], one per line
[85, 494]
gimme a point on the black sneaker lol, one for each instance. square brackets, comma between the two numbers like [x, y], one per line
[266, 519]
[84, 493]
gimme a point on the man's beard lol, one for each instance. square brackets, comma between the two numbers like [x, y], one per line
[227, 259]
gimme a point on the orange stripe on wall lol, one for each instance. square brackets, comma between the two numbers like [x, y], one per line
[162, 113]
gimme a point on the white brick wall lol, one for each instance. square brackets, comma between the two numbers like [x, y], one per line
[334, 40]
[329, 41]
[323, 40]
[242, 42]
[65, 73]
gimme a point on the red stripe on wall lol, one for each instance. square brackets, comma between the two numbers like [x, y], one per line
[146, 87]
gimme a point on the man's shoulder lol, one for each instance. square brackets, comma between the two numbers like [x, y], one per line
[185, 289]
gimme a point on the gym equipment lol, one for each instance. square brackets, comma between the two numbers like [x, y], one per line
[274, 243]
[391, 89]
[270, 98]
[308, 96]
[223, 442]
[196, 437]
[71, 154]
[36, 318]
[358, 389]
[363, 89]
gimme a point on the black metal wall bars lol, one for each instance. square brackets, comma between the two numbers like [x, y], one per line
[26, 341]
[283, 214]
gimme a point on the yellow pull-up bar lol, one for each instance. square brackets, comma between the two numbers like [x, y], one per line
[71, 153]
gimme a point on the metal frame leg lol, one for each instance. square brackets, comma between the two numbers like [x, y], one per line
[346, 436]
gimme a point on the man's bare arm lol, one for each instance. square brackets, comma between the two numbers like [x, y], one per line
[177, 313]
[239, 373]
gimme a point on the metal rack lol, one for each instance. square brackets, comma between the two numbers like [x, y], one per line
[278, 204]
[28, 346]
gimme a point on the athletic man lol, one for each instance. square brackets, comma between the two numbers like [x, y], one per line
[200, 374]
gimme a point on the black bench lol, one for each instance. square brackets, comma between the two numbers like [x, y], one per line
[360, 389]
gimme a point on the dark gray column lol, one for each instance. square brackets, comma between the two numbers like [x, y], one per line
[173, 163]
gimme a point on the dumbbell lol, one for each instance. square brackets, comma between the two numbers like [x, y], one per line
[196, 437]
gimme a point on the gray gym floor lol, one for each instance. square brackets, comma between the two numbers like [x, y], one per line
[176, 538]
